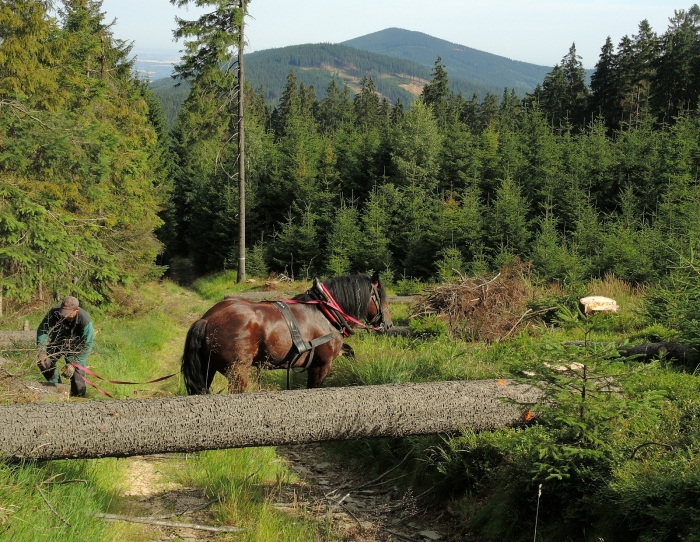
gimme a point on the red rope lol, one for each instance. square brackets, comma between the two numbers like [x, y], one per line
[91, 383]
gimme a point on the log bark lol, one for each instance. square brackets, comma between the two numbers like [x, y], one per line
[8, 338]
[649, 351]
[91, 429]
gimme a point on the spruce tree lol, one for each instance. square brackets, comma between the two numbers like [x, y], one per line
[577, 90]
[435, 93]
[416, 147]
[676, 83]
[645, 48]
[335, 109]
[549, 254]
[374, 242]
[508, 224]
[205, 190]
[366, 104]
[30, 55]
[296, 248]
[438, 89]
[344, 241]
[604, 100]
[81, 173]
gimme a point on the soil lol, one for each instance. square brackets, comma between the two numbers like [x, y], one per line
[149, 496]
[358, 508]
[362, 508]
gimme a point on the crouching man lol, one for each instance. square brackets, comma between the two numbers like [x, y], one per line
[65, 332]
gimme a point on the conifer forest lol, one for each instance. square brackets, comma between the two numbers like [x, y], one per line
[580, 178]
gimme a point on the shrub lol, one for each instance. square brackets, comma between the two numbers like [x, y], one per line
[428, 326]
[408, 286]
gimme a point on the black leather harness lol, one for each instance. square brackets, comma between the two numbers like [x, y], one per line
[298, 341]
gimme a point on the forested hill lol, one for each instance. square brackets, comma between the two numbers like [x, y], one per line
[485, 69]
[318, 64]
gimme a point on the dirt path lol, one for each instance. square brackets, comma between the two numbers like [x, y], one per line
[148, 494]
[361, 508]
[148, 489]
[358, 508]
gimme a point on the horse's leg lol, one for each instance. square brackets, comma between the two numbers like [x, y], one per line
[318, 372]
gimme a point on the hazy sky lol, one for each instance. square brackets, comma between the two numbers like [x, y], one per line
[536, 31]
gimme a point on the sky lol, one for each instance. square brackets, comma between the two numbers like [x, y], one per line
[535, 31]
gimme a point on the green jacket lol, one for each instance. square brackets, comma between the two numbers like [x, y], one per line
[71, 338]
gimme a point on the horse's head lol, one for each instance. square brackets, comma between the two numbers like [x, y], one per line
[361, 297]
[378, 311]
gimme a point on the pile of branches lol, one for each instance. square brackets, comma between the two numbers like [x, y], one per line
[481, 308]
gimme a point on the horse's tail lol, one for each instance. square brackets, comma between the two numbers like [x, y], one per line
[192, 370]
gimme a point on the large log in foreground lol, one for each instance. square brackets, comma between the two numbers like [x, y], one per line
[8, 338]
[90, 429]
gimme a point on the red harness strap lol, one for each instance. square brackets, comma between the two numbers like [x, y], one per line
[328, 307]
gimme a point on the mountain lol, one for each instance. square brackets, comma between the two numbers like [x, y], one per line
[317, 64]
[399, 61]
[486, 69]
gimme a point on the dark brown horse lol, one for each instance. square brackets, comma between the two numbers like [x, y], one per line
[235, 334]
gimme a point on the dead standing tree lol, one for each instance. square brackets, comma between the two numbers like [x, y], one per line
[206, 422]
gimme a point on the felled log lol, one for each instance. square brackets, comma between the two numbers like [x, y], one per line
[90, 429]
[8, 338]
[398, 331]
[648, 351]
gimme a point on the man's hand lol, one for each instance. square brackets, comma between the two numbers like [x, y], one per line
[44, 364]
[67, 371]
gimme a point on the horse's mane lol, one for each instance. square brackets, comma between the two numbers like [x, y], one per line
[352, 292]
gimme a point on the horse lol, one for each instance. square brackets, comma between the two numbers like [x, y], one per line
[236, 334]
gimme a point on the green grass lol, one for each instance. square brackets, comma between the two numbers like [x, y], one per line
[215, 287]
[75, 490]
[391, 360]
[247, 483]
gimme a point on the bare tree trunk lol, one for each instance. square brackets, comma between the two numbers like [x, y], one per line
[241, 151]
[90, 429]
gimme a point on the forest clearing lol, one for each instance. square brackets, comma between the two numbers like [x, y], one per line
[379, 489]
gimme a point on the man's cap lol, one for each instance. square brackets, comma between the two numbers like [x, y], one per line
[69, 304]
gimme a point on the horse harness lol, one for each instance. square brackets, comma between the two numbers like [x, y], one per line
[331, 311]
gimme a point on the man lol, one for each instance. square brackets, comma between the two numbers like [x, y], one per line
[66, 331]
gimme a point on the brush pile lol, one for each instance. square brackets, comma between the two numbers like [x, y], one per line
[481, 308]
